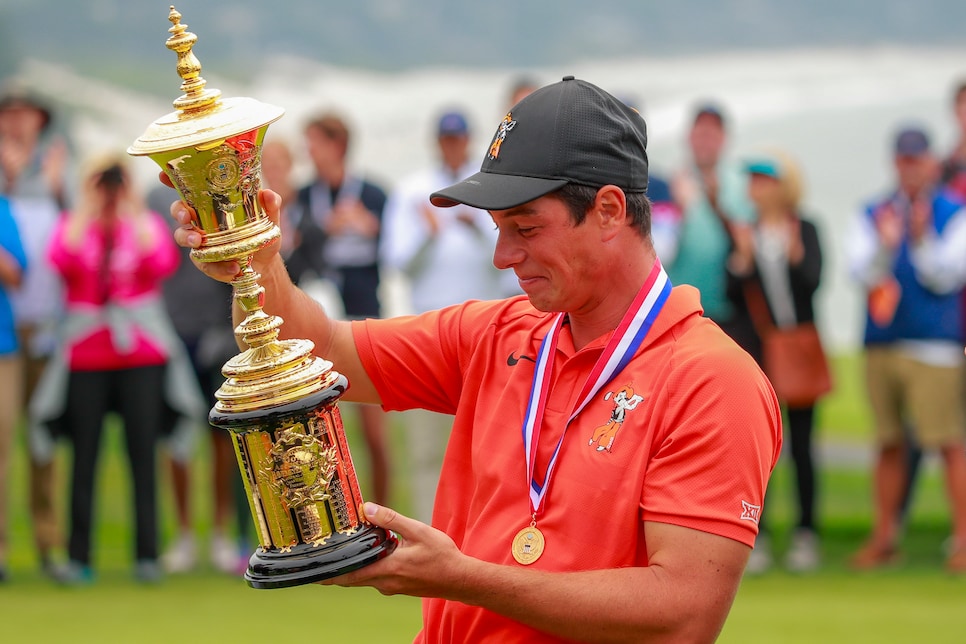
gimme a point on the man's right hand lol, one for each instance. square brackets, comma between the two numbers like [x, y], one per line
[189, 235]
[304, 317]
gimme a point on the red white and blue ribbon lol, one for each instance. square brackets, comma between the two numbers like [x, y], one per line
[624, 343]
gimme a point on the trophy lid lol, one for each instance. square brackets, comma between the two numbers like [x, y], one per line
[202, 116]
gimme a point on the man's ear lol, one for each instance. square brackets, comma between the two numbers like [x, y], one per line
[610, 209]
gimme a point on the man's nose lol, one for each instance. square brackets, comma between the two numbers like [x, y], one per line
[506, 254]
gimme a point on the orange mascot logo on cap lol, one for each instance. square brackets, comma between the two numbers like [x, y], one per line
[505, 126]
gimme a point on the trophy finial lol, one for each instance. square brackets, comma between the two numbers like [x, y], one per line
[201, 115]
[196, 98]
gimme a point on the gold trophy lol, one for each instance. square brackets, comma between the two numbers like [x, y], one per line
[279, 402]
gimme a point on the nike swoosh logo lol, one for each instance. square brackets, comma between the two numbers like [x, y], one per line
[512, 360]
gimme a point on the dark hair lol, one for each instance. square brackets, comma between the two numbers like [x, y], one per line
[111, 178]
[579, 199]
[960, 92]
[332, 126]
[522, 84]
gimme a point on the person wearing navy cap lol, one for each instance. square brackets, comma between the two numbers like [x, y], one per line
[906, 251]
[453, 124]
[445, 255]
[610, 446]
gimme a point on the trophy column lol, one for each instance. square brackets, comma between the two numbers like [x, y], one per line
[279, 402]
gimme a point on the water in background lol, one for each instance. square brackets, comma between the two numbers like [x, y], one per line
[835, 110]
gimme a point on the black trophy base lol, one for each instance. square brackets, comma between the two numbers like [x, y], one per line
[306, 564]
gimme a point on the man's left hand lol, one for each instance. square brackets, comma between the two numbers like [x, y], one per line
[426, 563]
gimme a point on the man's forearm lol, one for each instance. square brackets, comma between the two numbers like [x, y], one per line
[624, 605]
[304, 318]
[680, 596]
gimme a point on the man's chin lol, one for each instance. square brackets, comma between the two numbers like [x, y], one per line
[540, 303]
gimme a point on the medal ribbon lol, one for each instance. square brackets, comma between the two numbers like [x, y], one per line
[623, 344]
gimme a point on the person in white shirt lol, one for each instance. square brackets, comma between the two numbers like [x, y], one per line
[446, 255]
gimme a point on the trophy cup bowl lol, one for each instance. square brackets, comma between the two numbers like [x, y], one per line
[279, 402]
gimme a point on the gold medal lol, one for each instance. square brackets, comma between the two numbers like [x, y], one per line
[528, 545]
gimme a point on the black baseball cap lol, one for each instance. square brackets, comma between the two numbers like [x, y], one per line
[568, 132]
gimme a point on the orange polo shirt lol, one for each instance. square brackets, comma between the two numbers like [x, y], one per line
[695, 451]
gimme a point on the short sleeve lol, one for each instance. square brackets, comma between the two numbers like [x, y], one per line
[721, 439]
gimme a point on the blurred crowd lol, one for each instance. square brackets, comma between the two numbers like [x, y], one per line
[102, 316]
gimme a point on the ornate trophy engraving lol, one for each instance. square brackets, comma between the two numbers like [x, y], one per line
[279, 402]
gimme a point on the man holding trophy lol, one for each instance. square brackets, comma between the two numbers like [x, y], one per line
[540, 533]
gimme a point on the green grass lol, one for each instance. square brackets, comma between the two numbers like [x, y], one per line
[844, 415]
[203, 606]
[912, 601]
[904, 606]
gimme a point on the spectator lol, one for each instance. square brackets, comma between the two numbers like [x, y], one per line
[13, 261]
[197, 311]
[665, 212]
[277, 167]
[712, 194]
[954, 166]
[34, 176]
[774, 271]
[954, 178]
[906, 250]
[118, 353]
[520, 88]
[339, 230]
[431, 246]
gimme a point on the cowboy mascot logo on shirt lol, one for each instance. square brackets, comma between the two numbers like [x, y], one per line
[625, 400]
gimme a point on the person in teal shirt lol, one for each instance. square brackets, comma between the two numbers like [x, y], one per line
[712, 196]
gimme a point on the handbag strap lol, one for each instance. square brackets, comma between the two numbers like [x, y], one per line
[722, 218]
[758, 308]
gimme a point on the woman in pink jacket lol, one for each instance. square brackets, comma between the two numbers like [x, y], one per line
[116, 353]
